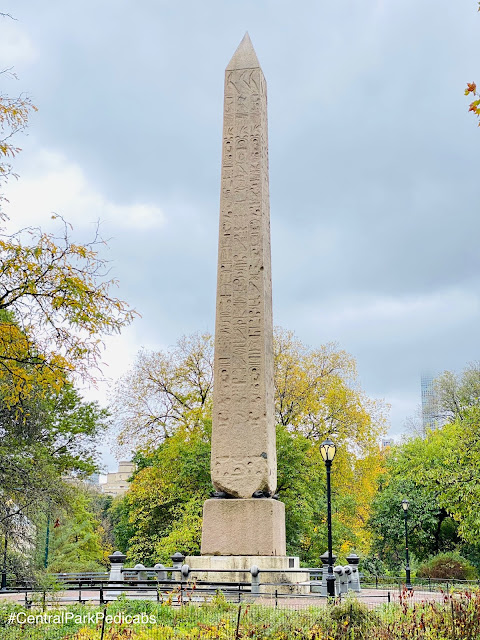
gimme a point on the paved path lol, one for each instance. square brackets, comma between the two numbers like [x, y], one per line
[371, 597]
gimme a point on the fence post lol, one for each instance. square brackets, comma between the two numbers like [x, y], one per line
[100, 597]
[117, 560]
[79, 592]
[238, 623]
[177, 562]
[276, 598]
[103, 622]
[454, 635]
[376, 581]
[388, 596]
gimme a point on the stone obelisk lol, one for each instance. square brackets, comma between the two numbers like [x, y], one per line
[244, 519]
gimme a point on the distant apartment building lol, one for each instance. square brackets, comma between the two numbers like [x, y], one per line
[117, 481]
[93, 480]
[428, 402]
[387, 443]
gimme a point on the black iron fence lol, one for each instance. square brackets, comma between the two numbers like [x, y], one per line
[454, 617]
[420, 584]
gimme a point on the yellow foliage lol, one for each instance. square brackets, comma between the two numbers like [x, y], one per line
[58, 307]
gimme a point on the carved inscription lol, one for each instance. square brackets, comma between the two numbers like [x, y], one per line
[243, 433]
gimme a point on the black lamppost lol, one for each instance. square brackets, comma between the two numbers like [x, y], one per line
[328, 450]
[47, 539]
[405, 505]
[3, 586]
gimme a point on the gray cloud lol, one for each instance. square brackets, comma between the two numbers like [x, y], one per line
[373, 156]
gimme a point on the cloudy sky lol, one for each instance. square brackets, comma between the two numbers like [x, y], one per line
[373, 166]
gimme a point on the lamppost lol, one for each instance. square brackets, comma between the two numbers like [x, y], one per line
[3, 586]
[405, 505]
[47, 539]
[328, 450]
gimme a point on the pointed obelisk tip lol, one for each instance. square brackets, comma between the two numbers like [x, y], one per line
[245, 56]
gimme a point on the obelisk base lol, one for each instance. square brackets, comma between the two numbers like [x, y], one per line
[243, 527]
[272, 577]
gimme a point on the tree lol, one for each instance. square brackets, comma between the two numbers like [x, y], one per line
[453, 471]
[164, 392]
[14, 115]
[42, 440]
[60, 305]
[472, 90]
[475, 104]
[56, 292]
[164, 504]
[455, 395]
[163, 405]
[431, 530]
[78, 540]
[440, 475]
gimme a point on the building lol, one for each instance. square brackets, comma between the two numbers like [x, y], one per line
[428, 402]
[387, 443]
[117, 481]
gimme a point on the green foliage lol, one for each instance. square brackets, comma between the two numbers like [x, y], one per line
[440, 475]
[122, 530]
[454, 472]
[353, 619]
[165, 501]
[430, 528]
[163, 406]
[77, 537]
[455, 395]
[43, 439]
[446, 566]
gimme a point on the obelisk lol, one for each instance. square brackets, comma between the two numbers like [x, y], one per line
[243, 519]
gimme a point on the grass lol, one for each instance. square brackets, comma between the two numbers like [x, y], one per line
[457, 617]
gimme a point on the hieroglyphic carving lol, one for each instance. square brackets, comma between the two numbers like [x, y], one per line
[243, 433]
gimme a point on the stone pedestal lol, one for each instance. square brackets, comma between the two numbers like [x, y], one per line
[237, 569]
[248, 527]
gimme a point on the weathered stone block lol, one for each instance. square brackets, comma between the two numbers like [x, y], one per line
[282, 573]
[248, 527]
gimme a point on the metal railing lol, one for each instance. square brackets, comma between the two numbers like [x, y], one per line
[426, 584]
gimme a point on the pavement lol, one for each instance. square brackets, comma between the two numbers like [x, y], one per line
[371, 597]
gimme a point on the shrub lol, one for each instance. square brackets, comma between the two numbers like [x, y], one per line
[446, 566]
[352, 618]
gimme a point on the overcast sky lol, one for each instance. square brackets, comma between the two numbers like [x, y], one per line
[374, 164]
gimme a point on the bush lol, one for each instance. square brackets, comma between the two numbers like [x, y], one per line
[353, 619]
[446, 566]
[372, 566]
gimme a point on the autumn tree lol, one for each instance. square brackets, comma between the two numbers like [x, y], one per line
[471, 91]
[164, 392]
[14, 114]
[56, 292]
[163, 408]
